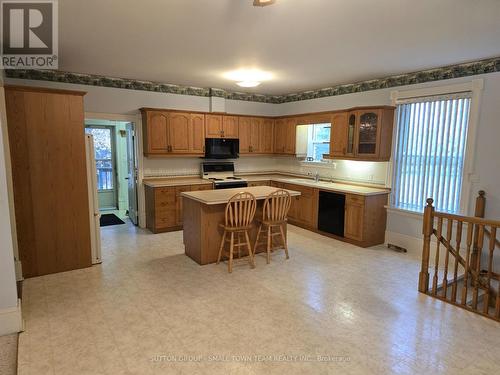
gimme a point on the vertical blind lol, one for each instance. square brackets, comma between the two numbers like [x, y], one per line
[430, 151]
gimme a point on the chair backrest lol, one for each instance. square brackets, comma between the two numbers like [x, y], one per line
[276, 206]
[240, 210]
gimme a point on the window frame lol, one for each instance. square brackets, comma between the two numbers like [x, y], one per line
[469, 177]
[311, 141]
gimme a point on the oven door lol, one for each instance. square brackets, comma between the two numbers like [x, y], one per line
[230, 185]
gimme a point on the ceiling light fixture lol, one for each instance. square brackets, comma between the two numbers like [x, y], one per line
[248, 77]
[262, 3]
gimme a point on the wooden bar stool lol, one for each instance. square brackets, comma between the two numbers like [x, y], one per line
[274, 215]
[240, 211]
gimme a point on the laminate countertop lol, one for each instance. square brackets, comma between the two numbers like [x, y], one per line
[222, 196]
[302, 181]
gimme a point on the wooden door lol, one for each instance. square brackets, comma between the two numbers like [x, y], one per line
[178, 131]
[338, 134]
[230, 126]
[157, 132]
[49, 175]
[213, 126]
[197, 134]
[266, 136]
[280, 136]
[354, 217]
[245, 125]
[290, 136]
[368, 133]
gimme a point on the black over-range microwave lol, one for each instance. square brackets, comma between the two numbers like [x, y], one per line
[222, 148]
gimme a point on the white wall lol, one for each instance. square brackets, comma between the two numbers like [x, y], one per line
[10, 313]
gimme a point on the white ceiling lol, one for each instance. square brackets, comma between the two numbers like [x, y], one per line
[307, 44]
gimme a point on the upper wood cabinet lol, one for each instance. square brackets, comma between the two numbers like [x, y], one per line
[219, 126]
[362, 134]
[230, 126]
[266, 135]
[285, 136]
[173, 133]
[338, 134]
[249, 134]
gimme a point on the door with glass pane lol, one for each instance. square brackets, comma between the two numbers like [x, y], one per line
[104, 146]
[368, 131]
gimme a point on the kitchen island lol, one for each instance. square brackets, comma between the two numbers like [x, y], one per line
[203, 212]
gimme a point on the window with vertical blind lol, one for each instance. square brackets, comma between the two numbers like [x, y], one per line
[430, 151]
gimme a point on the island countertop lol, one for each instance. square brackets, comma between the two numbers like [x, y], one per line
[222, 196]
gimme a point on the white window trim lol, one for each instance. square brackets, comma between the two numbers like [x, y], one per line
[476, 87]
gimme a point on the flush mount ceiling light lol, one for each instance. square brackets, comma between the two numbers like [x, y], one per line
[262, 3]
[248, 77]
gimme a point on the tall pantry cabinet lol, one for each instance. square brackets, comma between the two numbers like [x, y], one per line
[47, 146]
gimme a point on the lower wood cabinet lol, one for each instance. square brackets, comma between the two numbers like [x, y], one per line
[304, 208]
[365, 219]
[259, 183]
[164, 206]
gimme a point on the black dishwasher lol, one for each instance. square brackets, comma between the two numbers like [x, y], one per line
[331, 213]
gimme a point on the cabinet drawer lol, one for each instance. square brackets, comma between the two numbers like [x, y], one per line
[164, 204]
[258, 183]
[201, 187]
[355, 199]
[304, 190]
[164, 195]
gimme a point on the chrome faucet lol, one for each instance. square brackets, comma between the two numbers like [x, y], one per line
[316, 177]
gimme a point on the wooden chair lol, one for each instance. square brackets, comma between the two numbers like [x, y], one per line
[274, 215]
[239, 215]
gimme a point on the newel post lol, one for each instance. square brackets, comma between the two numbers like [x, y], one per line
[427, 230]
[479, 212]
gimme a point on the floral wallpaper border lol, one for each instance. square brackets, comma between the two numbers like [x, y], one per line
[437, 74]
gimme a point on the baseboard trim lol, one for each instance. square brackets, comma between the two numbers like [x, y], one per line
[11, 320]
[412, 244]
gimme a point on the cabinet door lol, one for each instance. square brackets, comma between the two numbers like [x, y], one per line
[291, 128]
[197, 134]
[165, 208]
[157, 128]
[244, 135]
[230, 126]
[178, 203]
[178, 130]
[354, 217]
[266, 136]
[255, 134]
[213, 126]
[351, 133]
[338, 134]
[368, 133]
[279, 136]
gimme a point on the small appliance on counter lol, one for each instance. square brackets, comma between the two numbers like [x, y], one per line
[222, 175]
[222, 148]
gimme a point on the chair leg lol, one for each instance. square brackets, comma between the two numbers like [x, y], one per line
[257, 239]
[285, 245]
[268, 244]
[231, 249]
[250, 253]
[239, 243]
[221, 247]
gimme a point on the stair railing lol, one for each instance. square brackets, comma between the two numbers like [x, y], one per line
[457, 275]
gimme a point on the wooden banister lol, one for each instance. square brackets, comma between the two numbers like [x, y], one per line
[427, 230]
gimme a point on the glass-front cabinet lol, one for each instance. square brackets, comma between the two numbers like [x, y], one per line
[368, 130]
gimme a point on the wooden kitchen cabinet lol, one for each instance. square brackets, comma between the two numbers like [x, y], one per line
[284, 140]
[304, 208]
[353, 220]
[362, 134]
[259, 183]
[249, 134]
[164, 210]
[338, 134]
[213, 126]
[266, 136]
[365, 219]
[230, 126]
[173, 133]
